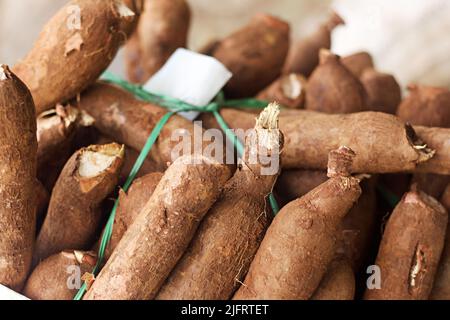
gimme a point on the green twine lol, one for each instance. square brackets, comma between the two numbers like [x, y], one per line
[174, 106]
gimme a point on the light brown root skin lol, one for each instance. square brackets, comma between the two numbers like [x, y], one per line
[49, 279]
[227, 239]
[18, 153]
[76, 199]
[411, 249]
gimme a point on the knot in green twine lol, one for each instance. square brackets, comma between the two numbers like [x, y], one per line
[173, 106]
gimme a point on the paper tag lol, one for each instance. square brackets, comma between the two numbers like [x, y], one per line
[191, 77]
[8, 294]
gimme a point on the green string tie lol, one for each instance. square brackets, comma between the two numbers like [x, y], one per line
[174, 106]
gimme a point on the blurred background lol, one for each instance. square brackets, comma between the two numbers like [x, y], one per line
[409, 38]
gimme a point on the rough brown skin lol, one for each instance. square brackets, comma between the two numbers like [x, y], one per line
[74, 214]
[163, 27]
[288, 90]
[383, 91]
[302, 240]
[437, 139]
[18, 150]
[359, 224]
[441, 287]
[64, 61]
[304, 55]
[129, 121]
[410, 249]
[161, 232]
[332, 88]
[227, 240]
[49, 280]
[358, 62]
[359, 227]
[381, 141]
[338, 282]
[426, 106]
[293, 184]
[254, 54]
[130, 205]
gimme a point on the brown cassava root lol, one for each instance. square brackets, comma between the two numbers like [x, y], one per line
[301, 242]
[338, 282]
[74, 214]
[58, 277]
[410, 249]
[441, 287]
[304, 55]
[18, 149]
[130, 121]
[130, 205]
[163, 27]
[254, 64]
[226, 242]
[382, 142]
[68, 57]
[160, 234]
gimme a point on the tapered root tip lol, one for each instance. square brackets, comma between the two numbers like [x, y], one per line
[326, 56]
[334, 21]
[340, 162]
[420, 198]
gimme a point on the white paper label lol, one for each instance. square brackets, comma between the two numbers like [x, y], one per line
[8, 294]
[191, 77]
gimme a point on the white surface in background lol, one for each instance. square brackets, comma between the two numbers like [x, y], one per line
[8, 294]
[191, 77]
[409, 38]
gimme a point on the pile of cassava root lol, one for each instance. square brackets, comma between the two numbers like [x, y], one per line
[363, 185]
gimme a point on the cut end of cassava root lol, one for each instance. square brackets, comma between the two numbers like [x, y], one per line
[95, 160]
[292, 86]
[340, 162]
[123, 9]
[421, 147]
[268, 118]
[82, 257]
